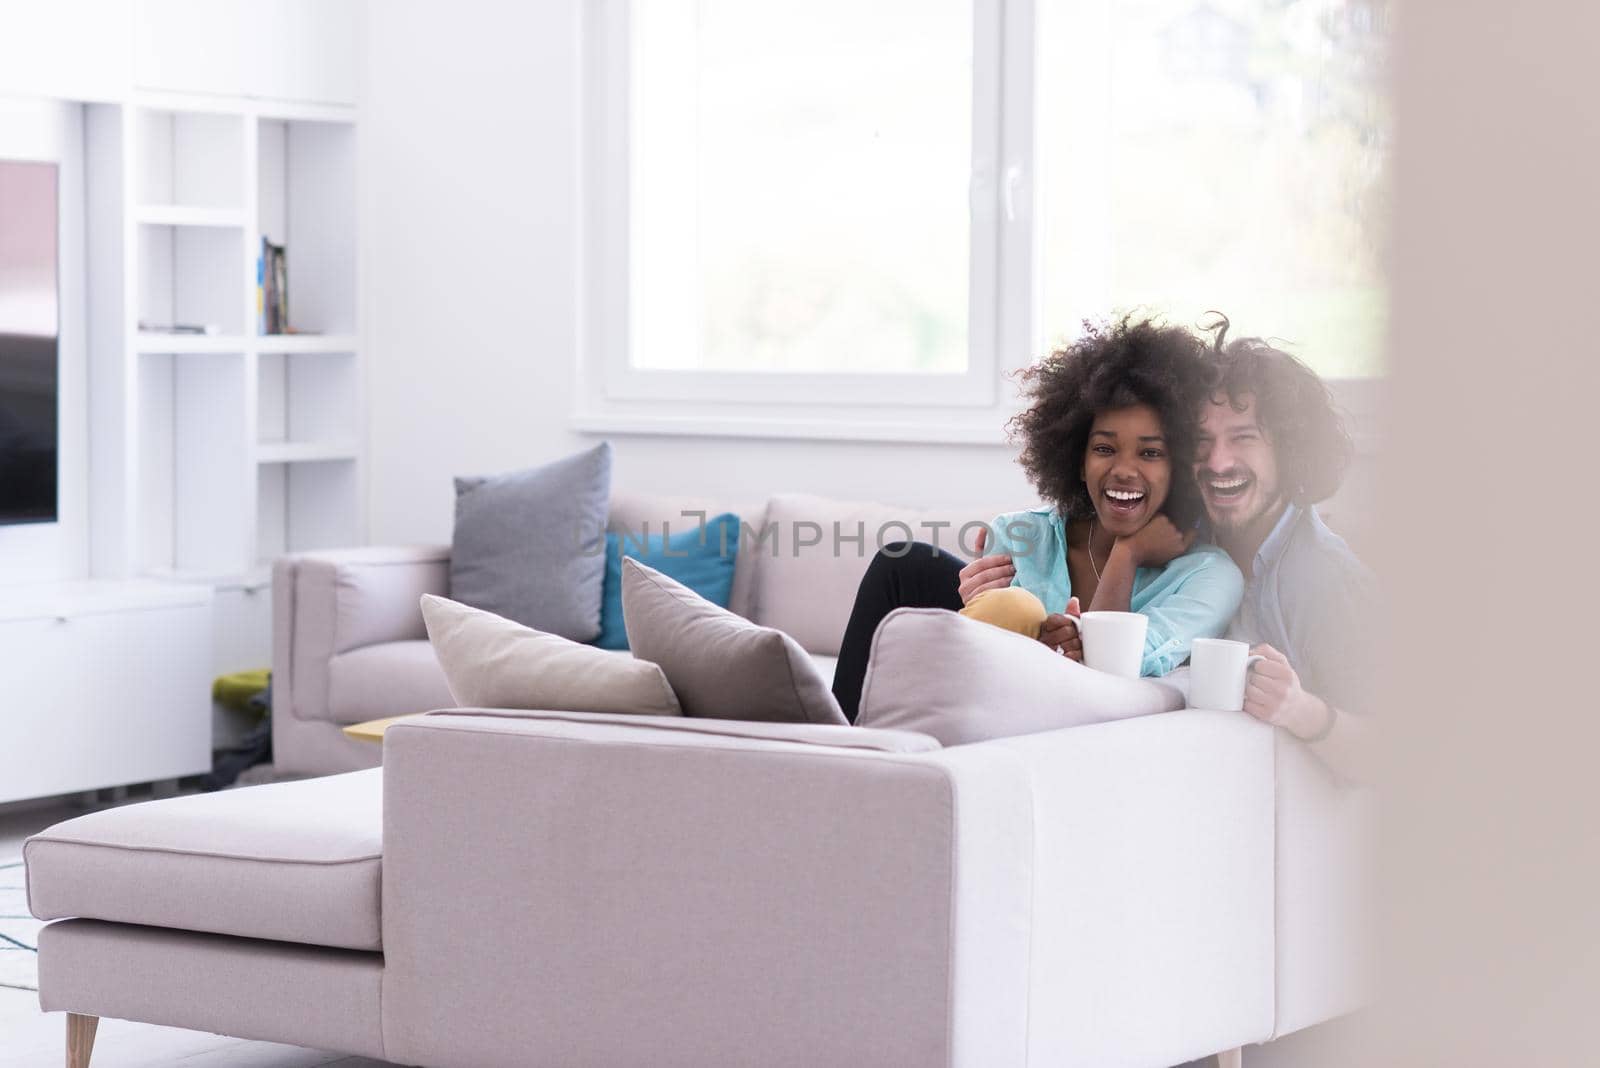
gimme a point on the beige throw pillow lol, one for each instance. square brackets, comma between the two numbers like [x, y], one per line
[960, 680]
[722, 666]
[493, 662]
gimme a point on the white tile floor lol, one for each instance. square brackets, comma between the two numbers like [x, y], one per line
[34, 1038]
[31, 1038]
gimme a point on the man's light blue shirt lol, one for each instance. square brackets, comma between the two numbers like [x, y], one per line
[1310, 598]
[1193, 596]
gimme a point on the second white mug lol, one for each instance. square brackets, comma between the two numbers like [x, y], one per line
[1219, 669]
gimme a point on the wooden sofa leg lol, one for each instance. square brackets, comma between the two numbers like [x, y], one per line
[80, 1039]
[1232, 1058]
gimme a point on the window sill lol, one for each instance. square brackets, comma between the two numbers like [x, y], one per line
[989, 432]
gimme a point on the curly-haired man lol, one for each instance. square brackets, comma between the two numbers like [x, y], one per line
[1271, 446]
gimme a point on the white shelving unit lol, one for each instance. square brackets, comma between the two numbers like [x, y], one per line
[190, 344]
[308, 452]
[304, 452]
[298, 344]
[179, 215]
[184, 129]
[230, 447]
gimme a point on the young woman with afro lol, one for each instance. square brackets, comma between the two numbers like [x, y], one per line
[1108, 438]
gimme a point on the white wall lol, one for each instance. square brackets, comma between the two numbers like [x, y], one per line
[471, 193]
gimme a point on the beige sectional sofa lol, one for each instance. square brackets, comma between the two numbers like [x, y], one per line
[530, 888]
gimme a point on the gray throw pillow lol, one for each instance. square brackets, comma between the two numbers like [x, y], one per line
[530, 546]
[721, 666]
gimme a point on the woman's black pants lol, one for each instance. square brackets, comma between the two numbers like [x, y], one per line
[904, 574]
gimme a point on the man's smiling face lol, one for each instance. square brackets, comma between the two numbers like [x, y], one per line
[1235, 465]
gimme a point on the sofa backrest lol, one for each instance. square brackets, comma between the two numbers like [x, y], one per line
[801, 557]
[652, 513]
[806, 583]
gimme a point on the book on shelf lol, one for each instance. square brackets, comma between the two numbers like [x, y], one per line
[197, 329]
[272, 289]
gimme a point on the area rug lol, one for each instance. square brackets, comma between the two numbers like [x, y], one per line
[19, 932]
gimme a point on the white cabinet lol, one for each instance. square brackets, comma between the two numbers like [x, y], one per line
[195, 46]
[242, 620]
[241, 617]
[304, 50]
[67, 49]
[103, 684]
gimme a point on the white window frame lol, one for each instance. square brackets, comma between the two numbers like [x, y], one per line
[968, 406]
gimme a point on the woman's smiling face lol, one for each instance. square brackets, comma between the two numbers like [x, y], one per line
[1127, 468]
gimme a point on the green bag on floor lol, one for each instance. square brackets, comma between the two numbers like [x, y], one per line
[235, 691]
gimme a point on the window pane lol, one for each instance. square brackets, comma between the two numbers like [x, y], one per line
[799, 183]
[1227, 154]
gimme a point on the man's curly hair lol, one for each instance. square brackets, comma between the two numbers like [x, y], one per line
[1293, 406]
[1113, 365]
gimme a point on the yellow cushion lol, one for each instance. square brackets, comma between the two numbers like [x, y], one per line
[1010, 608]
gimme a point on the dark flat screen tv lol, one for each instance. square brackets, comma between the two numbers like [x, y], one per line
[30, 374]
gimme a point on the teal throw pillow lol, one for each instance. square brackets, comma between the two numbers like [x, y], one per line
[700, 558]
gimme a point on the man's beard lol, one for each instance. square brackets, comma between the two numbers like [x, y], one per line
[1234, 524]
[1233, 521]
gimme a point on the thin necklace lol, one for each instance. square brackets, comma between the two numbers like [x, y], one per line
[1091, 552]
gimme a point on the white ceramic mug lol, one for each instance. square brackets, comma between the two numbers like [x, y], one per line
[1113, 642]
[1218, 671]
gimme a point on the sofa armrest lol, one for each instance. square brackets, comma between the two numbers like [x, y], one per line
[657, 896]
[1153, 887]
[326, 603]
[1326, 836]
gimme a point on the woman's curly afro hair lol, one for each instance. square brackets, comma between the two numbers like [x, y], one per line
[1293, 406]
[1117, 364]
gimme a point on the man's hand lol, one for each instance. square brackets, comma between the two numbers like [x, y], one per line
[986, 573]
[1060, 631]
[1156, 543]
[1273, 695]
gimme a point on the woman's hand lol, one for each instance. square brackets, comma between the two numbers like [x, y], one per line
[986, 572]
[1060, 631]
[1156, 544]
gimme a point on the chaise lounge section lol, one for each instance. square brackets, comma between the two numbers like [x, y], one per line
[518, 888]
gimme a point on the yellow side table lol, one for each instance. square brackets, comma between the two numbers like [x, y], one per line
[372, 730]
